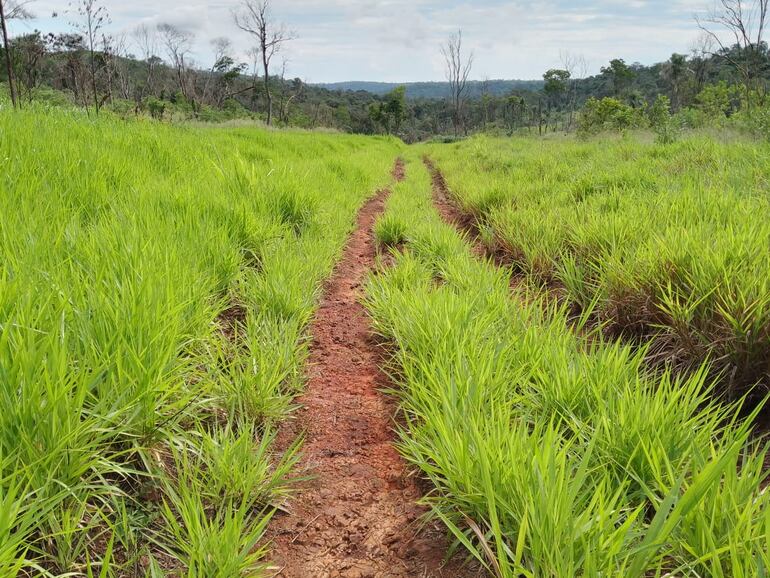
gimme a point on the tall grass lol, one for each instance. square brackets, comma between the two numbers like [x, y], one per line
[155, 286]
[551, 455]
[669, 240]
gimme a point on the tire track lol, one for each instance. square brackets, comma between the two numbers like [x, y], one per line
[357, 517]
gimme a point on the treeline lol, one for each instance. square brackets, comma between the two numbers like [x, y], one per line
[150, 72]
[56, 68]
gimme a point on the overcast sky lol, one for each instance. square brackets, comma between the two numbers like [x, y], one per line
[399, 40]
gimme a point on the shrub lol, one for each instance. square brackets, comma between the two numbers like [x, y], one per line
[155, 107]
[608, 114]
[714, 100]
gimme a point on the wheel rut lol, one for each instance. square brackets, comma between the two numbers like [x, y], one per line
[452, 215]
[357, 515]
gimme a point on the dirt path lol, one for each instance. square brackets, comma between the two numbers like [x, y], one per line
[451, 214]
[357, 517]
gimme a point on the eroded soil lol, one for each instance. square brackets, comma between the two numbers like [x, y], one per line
[357, 517]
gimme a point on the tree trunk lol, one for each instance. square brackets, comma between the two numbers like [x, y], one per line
[93, 76]
[7, 50]
[268, 96]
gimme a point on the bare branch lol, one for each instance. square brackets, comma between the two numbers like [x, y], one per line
[254, 18]
[745, 21]
[458, 69]
[17, 10]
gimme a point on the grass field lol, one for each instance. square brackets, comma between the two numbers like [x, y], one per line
[553, 455]
[669, 243]
[155, 287]
[157, 283]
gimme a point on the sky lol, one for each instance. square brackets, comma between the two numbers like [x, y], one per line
[400, 40]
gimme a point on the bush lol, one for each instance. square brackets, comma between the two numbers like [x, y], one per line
[715, 100]
[666, 127]
[608, 114]
[155, 107]
[123, 108]
[692, 118]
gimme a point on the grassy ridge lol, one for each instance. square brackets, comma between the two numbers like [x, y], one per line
[669, 241]
[155, 285]
[552, 457]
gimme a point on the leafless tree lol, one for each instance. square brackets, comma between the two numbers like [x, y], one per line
[178, 45]
[458, 68]
[10, 9]
[146, 40]
[222, 48]
[115, 53]
[745, 22]
[254, 17]
[93, 17]
[700, 60]
[577, 67]
[288, 94]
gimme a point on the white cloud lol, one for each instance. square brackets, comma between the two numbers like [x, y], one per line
[398, 40]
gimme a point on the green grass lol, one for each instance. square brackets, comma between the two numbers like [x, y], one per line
[155, 287]
[156, 283]
[552, 455]
[669, 241]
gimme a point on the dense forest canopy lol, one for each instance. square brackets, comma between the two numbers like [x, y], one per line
[148, 73]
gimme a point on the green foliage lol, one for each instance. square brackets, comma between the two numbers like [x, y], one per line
[551, 457]
[390, 113]
[608, 114]
[556, 82]
[666, 242]
[619, 74]
[155, 287]
[155, 107]
[715, 100]
[665, 125]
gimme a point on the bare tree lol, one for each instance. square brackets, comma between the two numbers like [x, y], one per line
[93, 18]
[745, 22]
[288, 94]
[146, 40]
[254, 17]
[9, 10]
[577, 67]
[700, 60]
[115, 53]
[458, 68]
[222, 48]
[178, 45]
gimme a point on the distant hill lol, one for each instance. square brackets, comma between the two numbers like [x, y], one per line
[432, 90]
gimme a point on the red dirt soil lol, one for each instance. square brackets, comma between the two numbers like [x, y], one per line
[357, 517]
[450, 213]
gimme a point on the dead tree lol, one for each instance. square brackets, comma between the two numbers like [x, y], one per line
[287, 96]
[254, 17]
[93, 18]
[458, 68]
[745, 22]
[178, 45]
[145, 38]
[577, 68]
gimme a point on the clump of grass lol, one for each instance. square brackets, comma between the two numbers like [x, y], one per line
[155, 289]
[551, 456]
[665, 240]
[390, 232]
